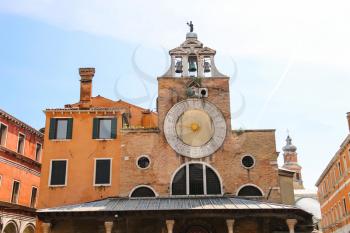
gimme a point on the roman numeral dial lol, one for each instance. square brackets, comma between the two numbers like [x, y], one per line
[195, 128]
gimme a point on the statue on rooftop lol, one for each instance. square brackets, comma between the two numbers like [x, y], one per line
[190, 24]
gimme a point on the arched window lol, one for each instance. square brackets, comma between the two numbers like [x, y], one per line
[10, 228]
[142, 191]
[250, 191]
[29, 229]
[195, 179]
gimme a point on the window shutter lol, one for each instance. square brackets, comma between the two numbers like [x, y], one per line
[69, 128]
[95, 128]
[52, 132]
[114, 128]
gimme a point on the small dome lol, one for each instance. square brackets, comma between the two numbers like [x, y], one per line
[190, 35]
[289, 147]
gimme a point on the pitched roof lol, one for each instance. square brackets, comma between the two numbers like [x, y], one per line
[169, 203]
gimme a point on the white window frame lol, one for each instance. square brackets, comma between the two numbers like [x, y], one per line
[137, 162]
[7, 130]
[41, 151]
[24, 143]
[250, 184]
[143, 186]
[187, 167]
[104, 117]
[110, 172]
[19, 189]
[66, 178]
[254, 160]
[31, 196]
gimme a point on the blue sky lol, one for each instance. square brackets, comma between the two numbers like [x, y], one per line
[289, 62]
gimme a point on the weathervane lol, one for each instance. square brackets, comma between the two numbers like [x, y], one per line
[190, 24]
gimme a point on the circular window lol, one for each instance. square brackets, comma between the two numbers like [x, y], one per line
[248, 161]
[143, 162]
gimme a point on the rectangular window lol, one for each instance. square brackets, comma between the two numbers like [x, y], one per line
[15, 192]
[345, 209]
[3, 134]
[104, 128]
[20, 144]
[38, 150]
[61, 128]
[102, 172]
[339, 169]
[345, 165]
[58, 173]
[33, 197]
[0, 180]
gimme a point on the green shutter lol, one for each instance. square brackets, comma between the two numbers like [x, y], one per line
[69, 128]
[52, 132]
[95, 128]
[114, 128]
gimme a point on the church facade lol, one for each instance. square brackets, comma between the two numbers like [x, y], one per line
[183, 171]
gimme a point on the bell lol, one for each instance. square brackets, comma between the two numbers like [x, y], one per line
[192, 66]
[178, 67]
[206, 67]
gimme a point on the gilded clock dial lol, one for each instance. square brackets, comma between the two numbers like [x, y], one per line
[195, 127]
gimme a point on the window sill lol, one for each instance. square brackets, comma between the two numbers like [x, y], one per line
[104, 139]
[57, 186]
[102, 185]
[60, 140]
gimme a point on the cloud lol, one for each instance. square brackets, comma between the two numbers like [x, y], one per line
[315, 31]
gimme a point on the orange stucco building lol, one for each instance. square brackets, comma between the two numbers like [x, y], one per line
[81, 160]
[334, 190]
[20, 158]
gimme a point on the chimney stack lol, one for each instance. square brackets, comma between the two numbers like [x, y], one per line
[86, 75]
[348, 116]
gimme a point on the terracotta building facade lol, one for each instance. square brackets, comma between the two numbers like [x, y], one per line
[20, 157]
[334, 191]
[179, 170]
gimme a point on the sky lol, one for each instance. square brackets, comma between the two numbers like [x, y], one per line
[289, 61]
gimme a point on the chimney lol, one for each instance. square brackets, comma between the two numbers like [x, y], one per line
[86, 75]
[348, 115]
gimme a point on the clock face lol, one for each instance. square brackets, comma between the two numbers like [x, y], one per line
[194, 128]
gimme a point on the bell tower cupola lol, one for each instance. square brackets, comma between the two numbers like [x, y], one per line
[191, 59]
[290, 157]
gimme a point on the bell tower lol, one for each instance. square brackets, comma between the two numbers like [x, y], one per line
[290, 157]
[193, 75]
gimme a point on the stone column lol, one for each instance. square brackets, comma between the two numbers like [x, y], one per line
[185, 66]
[172, 66]
[170, 225]
[108, 226]
[291, 224]
[230, 223]
[46, 226]
[200, 63]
